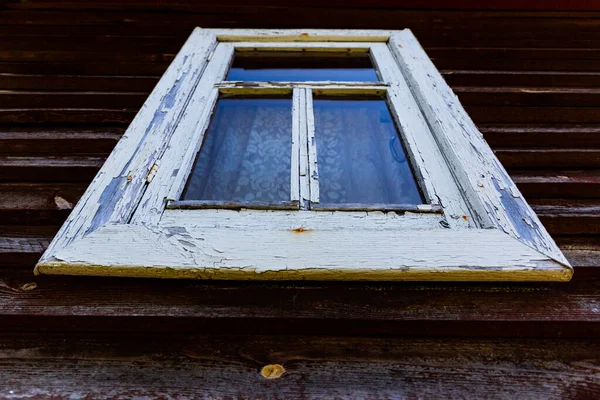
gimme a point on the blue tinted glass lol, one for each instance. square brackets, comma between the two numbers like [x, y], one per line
[246, 153]
[360, 155]
[301, 67]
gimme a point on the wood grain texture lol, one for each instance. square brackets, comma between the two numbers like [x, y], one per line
[86, 304]
[202, 366]
[104, 368]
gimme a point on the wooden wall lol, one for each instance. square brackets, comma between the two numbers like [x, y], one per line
[72, 76]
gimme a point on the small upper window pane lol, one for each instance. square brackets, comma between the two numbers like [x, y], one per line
[302, 67]
[360, 155]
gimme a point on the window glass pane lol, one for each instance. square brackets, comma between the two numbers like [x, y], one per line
[301, 67]
[246, 153]
[360, 156]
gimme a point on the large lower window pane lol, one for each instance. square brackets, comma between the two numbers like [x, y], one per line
[360, 156]
[246, 153]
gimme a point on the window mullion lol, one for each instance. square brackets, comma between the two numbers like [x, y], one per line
[313, 172]
[295, 186]
[302, 146]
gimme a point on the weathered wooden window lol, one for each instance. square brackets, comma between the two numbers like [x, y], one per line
[304, 155]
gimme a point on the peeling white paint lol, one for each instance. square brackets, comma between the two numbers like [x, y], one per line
[486, 232]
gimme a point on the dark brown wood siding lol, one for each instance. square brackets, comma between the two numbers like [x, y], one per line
[73, 75]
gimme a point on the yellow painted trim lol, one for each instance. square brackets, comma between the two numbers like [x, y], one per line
[544, 272]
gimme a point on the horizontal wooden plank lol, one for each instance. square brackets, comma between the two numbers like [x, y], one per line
[149, 39]
[21, 252]
[513, 53]
[488, 34]
[82, 43]
[119, 304]
[33, 231]
[131, 83]
[521, 78]
[67, 56]
[66, 116]
[37, 204]
[557, 183]
[549, 158]
[229, 366]
[541, 135]
[526, 96]
[71, 99]
[527, 115]
[49, 168]
[547, 59]
[568, 216]
[85, 67]
[52, 140]
[436, 17]
[191, 5]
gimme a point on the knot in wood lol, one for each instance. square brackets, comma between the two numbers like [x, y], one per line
[272, 371]
[29, 286]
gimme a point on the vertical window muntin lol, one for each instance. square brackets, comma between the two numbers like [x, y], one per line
[309, 89]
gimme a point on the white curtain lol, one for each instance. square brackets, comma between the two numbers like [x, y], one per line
[246, 153]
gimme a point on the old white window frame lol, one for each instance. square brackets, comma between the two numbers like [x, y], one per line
[123, 226]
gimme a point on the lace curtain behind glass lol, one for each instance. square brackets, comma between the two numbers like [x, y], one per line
[246, 153]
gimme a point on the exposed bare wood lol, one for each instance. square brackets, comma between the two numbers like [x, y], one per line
[80, 304]
[542, 136]
[558, 183]
[76, 82]
[556, 158]
[49, 168]
[15, 141]
[154, 365]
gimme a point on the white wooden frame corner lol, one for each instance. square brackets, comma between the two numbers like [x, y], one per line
[123, 227]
